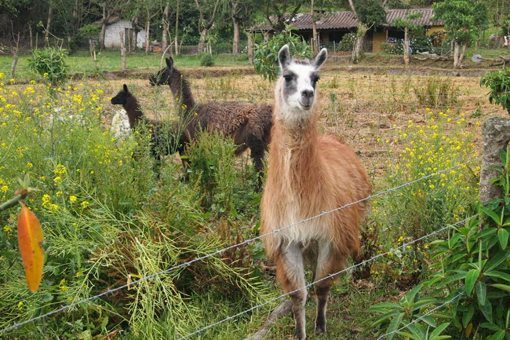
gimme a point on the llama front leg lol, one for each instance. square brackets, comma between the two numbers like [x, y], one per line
[291, 277]
[328, 262]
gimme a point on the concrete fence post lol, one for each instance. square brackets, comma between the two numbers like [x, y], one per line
[496, 136]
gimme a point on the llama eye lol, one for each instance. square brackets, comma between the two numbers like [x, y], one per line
[287, 77]
[315, 79]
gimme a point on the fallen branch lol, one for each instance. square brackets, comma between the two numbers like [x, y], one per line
[283, 309]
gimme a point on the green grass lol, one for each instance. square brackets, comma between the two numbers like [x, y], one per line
[81, 62]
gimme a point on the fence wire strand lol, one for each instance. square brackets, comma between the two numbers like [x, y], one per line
[422, 316]
[220, 251]
[403, 246]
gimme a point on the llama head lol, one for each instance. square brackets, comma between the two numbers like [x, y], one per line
[122, 97]
[164, 76]
[295, 89]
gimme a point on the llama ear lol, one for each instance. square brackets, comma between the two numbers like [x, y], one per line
[125, 88]
[169, 62]
[320, 58]
[284, 57]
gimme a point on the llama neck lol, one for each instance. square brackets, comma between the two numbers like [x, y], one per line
[294, 152]
[133, 111]
[181, 91]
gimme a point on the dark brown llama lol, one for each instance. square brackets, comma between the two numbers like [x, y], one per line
[248, 124]
[160, 144]
[308, 173]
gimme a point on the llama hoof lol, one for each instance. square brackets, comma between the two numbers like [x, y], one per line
[300, 335]
[320, 329]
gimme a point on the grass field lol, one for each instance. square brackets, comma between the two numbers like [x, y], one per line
[124, 222]
[82, 62]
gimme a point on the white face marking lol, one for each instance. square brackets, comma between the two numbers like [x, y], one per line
[296, 106]
[304, 83]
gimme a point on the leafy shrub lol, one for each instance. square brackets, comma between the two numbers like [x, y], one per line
[347, 42]
[225, 188]
[107, 221]
[266, 53]
[471, 278]
[498, 83]
[50, 63]
[437, 93]
[440, 143]
[206, 59]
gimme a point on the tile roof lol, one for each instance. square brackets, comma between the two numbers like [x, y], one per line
[347, 19]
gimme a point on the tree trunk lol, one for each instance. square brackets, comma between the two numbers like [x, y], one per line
[250, 47]
[31, 36]
[406, 46]
[147, 35]
[462, 51]
[176, 34]
[458, 54]
[103, 28]
[315, 39]
[166, 27]
[496, 135]
[15, 56]
[358, 44]
[48, 26]
[201, 41]
[123, 64]
[235, 43]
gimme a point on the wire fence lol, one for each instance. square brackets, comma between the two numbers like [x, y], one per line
[220, 251]
[333, 275]
[422, 317]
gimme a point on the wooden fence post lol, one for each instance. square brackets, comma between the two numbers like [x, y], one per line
[496, 136]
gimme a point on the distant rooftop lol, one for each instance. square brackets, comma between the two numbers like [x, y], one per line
[347, 19]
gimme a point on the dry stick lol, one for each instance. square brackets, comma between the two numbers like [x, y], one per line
[13, 201]
[284, 308]
[163, 55]
[221, 251]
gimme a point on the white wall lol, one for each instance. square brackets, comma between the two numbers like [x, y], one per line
[112, 36]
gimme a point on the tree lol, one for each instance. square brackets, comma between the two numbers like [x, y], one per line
[369, 13]
[463, 19]
[408, 25]
[108, 9]
[277, 12]
[241, 12]
[165, 23]
[207, 10]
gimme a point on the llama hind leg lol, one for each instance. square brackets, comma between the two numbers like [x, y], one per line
[328, 262]
[291, 277]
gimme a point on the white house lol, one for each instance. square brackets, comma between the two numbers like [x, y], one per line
[117, 25]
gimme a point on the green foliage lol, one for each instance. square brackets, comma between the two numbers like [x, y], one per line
[437, 93]
[50, 63]
[108, 220]
[473, 263]
[225, 188]
[463, 19]
[441, 142]
[266, 53]
[347, 42]
[498, 83]
[371, 12]
[206, 59]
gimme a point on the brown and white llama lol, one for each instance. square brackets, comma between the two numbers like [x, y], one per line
[308, 173]
[248, 124]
